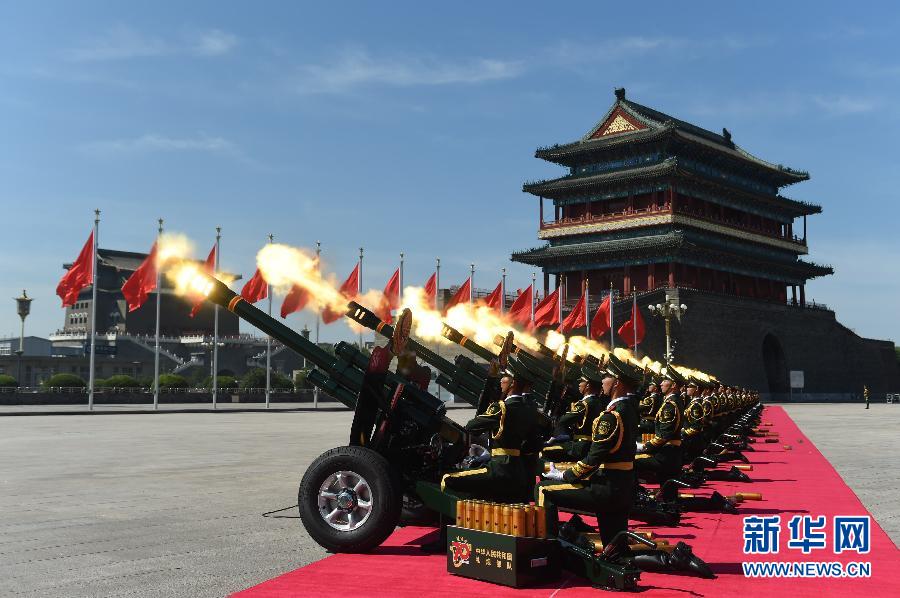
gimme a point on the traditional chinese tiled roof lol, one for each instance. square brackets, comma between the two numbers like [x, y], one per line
[672, 246]
[553, 188]
[647, 124]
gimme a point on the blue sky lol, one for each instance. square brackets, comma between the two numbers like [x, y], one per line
[410, 126]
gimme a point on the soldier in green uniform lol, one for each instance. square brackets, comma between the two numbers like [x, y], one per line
[661, 455]
[603, 481]
[572, 435]
[514, 424]
[649, 405]
[691, 433]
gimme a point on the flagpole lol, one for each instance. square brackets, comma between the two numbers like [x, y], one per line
[437, 293]
[503, 292]
[472, 283]
[359, 292]
[215, 351]
[634, 318]
[156, 355]
[587, 308]
[612, 333]
[269, 341]
[562, 293]
[400, 286]
[91, 377]
[533, 278]
[318, 320]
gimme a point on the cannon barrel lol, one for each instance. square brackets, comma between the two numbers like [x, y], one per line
[463, 380]
[452, 334]
[222, 295]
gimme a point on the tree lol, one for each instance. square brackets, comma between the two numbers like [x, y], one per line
[172, 381]
[300, 381]
[64, 381]
[256, 378]
[121, 381]
[7, 381]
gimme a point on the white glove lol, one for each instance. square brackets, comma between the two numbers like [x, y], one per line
[476, 450]
[553, 474]
[640, 446]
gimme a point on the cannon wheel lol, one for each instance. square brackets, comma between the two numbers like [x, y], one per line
[348, 499]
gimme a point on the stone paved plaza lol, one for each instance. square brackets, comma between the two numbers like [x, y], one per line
[171, 504]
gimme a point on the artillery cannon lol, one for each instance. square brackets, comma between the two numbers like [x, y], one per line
[351, 497]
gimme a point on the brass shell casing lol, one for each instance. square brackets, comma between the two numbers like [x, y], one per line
[460, 513]
[496, 518]
[518, 521]
[529, 521]
[506, 520]
[470, 514]
[478, 515]
[540, 519]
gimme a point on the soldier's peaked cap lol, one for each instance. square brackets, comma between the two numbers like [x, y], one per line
[674, 375]
[591, 373]
[517, 370]
[623, 370]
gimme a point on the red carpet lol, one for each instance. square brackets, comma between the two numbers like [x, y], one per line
[798, 481]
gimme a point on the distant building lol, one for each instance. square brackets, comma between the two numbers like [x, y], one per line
[113, 269]
[34, 345]
[652, 204]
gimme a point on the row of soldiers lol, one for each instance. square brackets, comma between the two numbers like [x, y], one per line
[598, 438]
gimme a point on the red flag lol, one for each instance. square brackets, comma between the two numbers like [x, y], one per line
[431, 289]
[349, 289]
[462, 295]
[493, 300]
[546, 313]
[600, 321]
[633, 329]
[142, 282]
[576, 319]
[210, 267]
[295, 300]
[520, 310]
[80, 275]
[391, 298]
[256, 288]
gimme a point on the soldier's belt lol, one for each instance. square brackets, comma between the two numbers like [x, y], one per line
[502, 452]
[582, 437]
[620, 465]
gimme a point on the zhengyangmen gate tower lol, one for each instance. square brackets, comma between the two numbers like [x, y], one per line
[658, 205]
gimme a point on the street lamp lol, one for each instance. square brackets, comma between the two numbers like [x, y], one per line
[666, 311]
[23, 307]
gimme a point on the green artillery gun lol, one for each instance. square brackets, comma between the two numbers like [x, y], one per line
[351, 497]
[464, 378]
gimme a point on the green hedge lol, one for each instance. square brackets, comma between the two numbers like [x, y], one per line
[7, 381]
[223, 382]
[256, 378]
[172, 381]
[121, 381]
[64, 381]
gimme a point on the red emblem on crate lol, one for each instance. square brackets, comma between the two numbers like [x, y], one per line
[461, 550]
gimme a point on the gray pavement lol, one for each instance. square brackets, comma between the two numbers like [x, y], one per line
[170, 505]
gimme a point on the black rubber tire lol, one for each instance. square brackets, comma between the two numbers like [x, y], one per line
[385, 499]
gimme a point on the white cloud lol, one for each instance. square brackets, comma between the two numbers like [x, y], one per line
[124, 43]
[160, 143]
[215, 43]
[356, 67]
[840, 105]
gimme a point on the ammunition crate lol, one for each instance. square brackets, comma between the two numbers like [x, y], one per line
[512, 561]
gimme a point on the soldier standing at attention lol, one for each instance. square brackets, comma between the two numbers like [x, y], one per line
[691, 434]
[603, 481]
[514, 424]
[572, 436]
